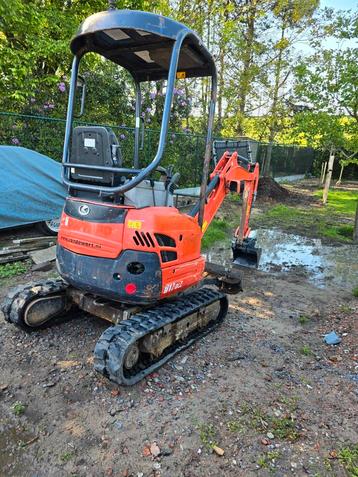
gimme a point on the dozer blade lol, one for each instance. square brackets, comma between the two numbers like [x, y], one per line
[246, 254]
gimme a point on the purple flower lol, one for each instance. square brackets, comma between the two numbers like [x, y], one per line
[62, 87]
[152, 95]
[143, 114]
[148, 110]
[173, 135]
[175, 91]
[14, 126]
[149, 120]
[180, 92]
[182, 103]
[122, 136]
[171, 141]
[32, 100]
[15, 141]
[51, 105]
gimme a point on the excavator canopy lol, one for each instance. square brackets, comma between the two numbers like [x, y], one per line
[142, 43]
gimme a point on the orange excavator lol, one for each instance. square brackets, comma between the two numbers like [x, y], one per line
[125, 253]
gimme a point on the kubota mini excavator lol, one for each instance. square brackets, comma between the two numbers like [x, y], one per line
[124, 252]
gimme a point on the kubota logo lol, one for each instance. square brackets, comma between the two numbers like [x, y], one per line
[84, 209]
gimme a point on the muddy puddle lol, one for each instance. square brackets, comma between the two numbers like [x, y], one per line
[323, 265]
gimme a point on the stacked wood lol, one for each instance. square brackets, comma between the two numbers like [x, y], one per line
[22, 248]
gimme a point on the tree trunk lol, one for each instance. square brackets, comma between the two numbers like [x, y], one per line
[323, 175]
[329, 175]
[340, 175]
[274, 123]
[355, 230]
[247, 56]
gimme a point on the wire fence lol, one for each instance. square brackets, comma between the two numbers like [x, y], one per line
[185, 151]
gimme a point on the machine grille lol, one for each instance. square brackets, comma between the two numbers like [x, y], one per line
[144, 239]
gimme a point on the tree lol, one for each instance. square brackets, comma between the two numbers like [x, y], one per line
[327, 82]
[293, 17]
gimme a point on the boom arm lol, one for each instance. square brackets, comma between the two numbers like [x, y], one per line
[226, 172]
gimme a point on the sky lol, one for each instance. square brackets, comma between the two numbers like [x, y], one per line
[340, 4]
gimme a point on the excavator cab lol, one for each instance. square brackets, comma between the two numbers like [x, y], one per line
[151, 48]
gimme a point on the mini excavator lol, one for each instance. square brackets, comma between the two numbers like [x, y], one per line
[125, 253]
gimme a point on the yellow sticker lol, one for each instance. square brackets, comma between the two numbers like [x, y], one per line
[134, 224]
[181, 74]
[205, 226]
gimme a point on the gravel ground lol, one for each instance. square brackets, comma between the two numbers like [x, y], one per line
[264, 390]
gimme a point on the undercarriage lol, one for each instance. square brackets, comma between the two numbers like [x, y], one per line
[140, 340]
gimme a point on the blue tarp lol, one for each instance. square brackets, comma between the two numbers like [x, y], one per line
[30, 186]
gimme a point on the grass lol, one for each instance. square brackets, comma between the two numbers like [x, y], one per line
[341, 201]
[18, 408]
[207, 434]
[306, 351]
[348, 457]
[303, 319]
[66, 456]
[282, 427]
[234, 426]
[355, 291]
[334, 221]
[268, 459]
[217, 230]
[9, 270]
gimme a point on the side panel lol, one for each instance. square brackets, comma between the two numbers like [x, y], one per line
[179, 277]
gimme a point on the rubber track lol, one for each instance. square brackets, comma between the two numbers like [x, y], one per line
[112, 346]
[15, 303]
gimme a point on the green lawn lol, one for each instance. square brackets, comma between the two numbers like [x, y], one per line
[333, 221]
[341, 200]
[217, 230]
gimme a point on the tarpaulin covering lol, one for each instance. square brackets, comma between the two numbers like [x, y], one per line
[30, 186]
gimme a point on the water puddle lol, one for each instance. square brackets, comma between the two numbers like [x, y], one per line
[323, 265]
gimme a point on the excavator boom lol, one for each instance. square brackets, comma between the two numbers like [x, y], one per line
[234, 172]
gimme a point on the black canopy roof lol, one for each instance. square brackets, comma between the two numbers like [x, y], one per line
[142, 42]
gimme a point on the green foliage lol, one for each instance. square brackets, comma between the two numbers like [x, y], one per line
[303, 319]
[316, 221]
[8, 270]
[348, 457]
[268, 459]
[341, 201]
[217, 230]
[66, 456]
[208, 435]
[355, 291]
[306, 350]
[326, 82]
[284, 428]
[18, 408]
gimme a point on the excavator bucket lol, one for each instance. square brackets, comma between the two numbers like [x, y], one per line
[246, 254]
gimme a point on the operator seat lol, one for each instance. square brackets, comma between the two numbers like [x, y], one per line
[97, 146]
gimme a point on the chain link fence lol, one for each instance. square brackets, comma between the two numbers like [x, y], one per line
[185, 151]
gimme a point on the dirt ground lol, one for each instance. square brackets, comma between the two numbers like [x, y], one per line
[264, 388]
